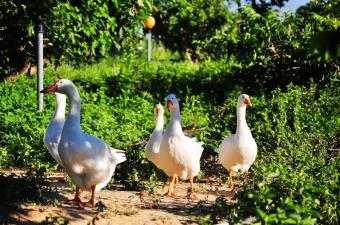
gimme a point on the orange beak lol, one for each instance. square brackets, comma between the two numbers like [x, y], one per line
[169, 104]
[158, 111]
[247, 101]
[51, 88]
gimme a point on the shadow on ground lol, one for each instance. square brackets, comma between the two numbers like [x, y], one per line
[43, 203]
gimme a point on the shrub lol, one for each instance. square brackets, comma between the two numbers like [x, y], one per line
[77, 31]
[293, 179]
[182, 25]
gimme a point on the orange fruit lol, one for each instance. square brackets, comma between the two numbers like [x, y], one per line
[149, 22]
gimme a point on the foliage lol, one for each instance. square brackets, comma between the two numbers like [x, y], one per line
[20, 126]
[74, 29]
[248, 36]
[208, 31]
[94, 28]
[251, 36]
[183, 23]
[327, 44]
[55, 221]
[325, 14]
[295, 128]
[263, 6]
[294, 179]
[17, 24]
[29, 187]
[272, 50]
[295, 118]
[325, 8]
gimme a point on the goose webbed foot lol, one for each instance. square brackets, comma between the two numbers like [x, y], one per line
[90, 203]
[76, 198]
[191, 195]
[230, 184]
[170, 193]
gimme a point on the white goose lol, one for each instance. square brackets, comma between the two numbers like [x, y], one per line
[152, 147]
[180, 155]
[55, 127]
[88, 160]
[238, 151]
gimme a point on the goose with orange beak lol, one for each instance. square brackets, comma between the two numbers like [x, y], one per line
[54, 129]
[180, 155]
[238, 151]
[88, 160]
[152, 147]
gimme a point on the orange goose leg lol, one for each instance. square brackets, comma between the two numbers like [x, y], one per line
[230, 182]
[170, 192]
[76, 197]
[191, 194]
[91, 202]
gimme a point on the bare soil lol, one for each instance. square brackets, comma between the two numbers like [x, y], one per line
[118, 206]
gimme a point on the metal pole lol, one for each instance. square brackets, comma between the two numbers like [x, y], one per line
[40, 77]
[148, 38]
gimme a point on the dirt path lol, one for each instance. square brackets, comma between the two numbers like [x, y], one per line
[118, 207]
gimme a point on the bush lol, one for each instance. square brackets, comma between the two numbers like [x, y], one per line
[74, 30]
[182, 25]
[29, 187]
[293, 180]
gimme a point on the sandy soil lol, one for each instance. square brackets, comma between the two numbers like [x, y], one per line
[118, 206]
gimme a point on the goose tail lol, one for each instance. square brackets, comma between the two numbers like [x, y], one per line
[118, 155]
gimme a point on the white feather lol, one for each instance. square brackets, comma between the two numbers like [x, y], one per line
[153, 145]
[54, 129]
[179, 154]
[87, 159]
[238, 151]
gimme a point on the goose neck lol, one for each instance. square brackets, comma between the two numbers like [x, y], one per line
[175, 123]
[159, 123]
[59, 114]
[241, 120]
[60, 107]
[175, 113]
[73, 117]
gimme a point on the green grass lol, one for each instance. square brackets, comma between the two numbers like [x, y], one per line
[294, 179]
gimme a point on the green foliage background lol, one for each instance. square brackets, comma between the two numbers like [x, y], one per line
[294, 86]
[297, 130]
[74, 30]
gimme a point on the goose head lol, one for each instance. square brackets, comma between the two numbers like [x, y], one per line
[243, 100]
[62, 86]
[172, 103]
[158, 110]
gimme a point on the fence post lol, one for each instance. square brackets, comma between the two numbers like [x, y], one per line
[148, 38]
[40, 75]
[149, 23]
